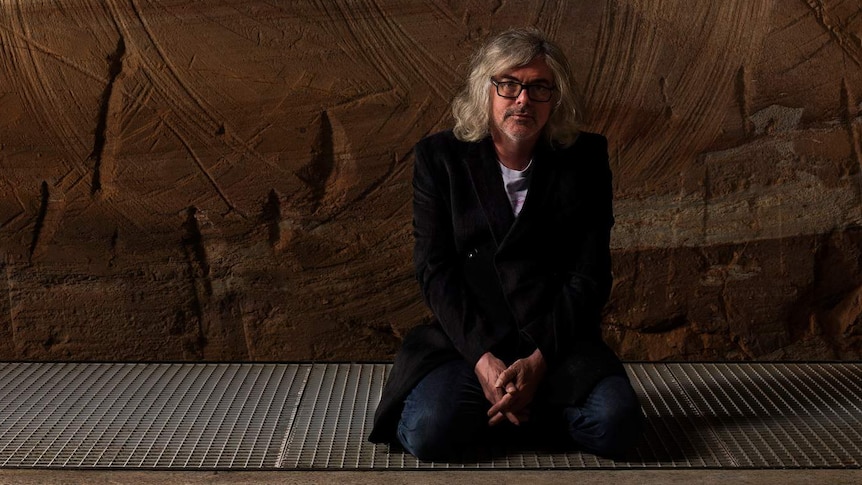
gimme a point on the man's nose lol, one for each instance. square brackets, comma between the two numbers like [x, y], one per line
[523, 97]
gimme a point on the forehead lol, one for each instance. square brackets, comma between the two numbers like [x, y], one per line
[535, 70]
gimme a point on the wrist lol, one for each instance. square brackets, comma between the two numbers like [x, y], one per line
[484, 361]
[538, 360]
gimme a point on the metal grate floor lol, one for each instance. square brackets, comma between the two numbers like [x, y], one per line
[316, 416]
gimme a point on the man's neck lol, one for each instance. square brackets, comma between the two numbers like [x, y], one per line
[513, 154]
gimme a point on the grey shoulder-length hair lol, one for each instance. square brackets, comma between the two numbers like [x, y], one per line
[514, 48]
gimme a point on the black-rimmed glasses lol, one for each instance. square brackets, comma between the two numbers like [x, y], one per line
[512, 89]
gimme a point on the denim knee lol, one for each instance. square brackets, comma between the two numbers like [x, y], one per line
[613, 433]
[610, 421]
[423, 438]
[443, 414]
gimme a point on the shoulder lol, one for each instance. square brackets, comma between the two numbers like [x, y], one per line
[588, 151]
[445, 150]
[441, 141]
[584, 163]
[589, 141]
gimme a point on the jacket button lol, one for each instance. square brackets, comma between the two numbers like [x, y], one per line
[472, 254]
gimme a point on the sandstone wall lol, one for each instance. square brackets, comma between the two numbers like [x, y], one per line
[230, 180]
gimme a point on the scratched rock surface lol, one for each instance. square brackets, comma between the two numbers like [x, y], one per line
[231, 180]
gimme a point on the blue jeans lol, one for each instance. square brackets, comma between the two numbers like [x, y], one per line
[445, 415]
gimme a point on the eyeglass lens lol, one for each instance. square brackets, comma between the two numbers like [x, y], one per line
[512, 89]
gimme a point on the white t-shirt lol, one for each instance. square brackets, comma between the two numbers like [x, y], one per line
[515, 183]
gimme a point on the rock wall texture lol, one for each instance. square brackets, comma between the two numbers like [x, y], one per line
[230, 180]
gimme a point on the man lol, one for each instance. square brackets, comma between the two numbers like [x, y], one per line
[512, 219]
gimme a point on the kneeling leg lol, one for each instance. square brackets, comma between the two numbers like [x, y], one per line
[444, 413]
[609, 421]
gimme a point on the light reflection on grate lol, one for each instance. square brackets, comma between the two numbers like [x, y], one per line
[317, 416]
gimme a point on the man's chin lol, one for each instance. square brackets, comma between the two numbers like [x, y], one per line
[521, 135]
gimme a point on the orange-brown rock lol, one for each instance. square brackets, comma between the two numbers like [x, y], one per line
[231, 180]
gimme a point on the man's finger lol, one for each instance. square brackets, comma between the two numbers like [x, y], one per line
[503, 403]
[496, 419]
[513, 418]
[504, 377]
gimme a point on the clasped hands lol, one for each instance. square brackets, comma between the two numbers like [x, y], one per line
[510, 390]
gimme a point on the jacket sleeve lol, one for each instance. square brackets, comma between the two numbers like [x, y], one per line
[438, 263]
[584, 280]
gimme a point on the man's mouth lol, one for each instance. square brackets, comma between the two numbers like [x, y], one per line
[521, 115]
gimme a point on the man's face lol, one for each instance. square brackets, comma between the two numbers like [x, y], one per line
[521, 119]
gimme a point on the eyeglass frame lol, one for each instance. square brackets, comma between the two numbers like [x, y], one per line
[523, 86]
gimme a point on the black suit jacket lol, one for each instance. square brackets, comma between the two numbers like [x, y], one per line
[503, 284]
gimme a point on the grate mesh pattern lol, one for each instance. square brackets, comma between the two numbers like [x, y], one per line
[780, 415]
[316, 416]
[145, 415]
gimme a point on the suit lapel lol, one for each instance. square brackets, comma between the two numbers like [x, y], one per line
[488, 183]
[537, 192]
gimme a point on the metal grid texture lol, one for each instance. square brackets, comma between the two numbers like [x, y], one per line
[316, 416]
[145, 415]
